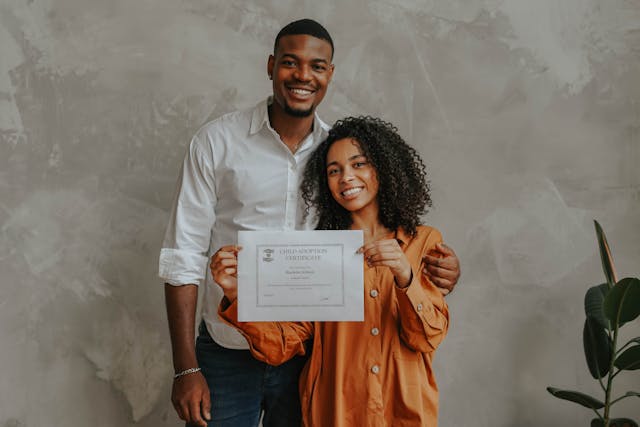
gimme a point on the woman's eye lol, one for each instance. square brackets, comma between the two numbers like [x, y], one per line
[359, 164]
[332, 171]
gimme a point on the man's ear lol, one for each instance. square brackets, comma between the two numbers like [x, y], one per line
[331, 68]
[270, 63]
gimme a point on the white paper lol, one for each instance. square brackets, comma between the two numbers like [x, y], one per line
[300, 276]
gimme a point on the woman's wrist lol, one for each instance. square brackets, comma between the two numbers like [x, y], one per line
[226, 302]
[231, 296]
[404, 282]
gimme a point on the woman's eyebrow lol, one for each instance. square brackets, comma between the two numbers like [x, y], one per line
[335, 162]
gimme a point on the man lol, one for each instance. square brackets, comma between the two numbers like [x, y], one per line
[242, 172]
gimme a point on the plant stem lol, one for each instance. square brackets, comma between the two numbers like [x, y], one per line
[607, 400]
[620, 398]
[610, 335]
[616, 373]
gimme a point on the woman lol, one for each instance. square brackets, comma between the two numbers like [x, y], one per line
[377, 372]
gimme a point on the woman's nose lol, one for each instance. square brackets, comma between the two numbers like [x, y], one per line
[347, 176]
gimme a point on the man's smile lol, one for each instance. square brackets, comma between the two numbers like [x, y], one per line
[300, 92]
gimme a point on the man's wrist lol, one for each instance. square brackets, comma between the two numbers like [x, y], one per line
[185, 361]
[186, 372]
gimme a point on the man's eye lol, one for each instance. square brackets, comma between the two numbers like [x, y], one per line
[319, 68]
[288, 63]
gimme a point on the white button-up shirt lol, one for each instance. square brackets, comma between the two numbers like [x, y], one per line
[236, 175]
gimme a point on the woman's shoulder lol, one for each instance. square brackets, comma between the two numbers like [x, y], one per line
[421, 243]
[427, 232]
[426, 238]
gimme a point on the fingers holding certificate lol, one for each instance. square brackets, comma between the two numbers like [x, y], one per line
[387, 253]
[224, 271]
[297, 275]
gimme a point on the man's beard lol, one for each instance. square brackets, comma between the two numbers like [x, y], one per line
[297, 113]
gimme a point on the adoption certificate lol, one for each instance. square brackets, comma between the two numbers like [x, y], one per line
[300, 276]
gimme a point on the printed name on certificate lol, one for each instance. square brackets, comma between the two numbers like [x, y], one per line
[300, 275]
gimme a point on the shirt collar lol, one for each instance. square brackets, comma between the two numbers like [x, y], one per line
[260, 118]
[402, 237]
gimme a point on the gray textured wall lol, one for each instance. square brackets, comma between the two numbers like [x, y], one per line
[526, 112]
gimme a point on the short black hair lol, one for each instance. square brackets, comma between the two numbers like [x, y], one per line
[307, 27]
[404, 191]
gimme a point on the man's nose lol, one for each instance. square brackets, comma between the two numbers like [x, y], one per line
[303, 73]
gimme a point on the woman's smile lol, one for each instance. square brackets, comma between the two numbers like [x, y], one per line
[352, 179]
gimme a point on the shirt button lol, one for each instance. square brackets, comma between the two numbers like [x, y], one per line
[375, 331]
[375, 369]
[373, 293]
[419, 307]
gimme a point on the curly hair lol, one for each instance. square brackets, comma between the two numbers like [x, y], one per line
[404, 192]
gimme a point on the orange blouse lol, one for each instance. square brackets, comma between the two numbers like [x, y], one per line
[372, 373]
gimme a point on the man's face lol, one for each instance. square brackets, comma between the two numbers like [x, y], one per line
[301, 71]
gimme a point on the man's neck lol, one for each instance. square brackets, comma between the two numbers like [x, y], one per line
[292, 130]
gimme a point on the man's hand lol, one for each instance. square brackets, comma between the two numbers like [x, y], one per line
[190, 394]
[442, 267]
[191, 399]
[224, 269]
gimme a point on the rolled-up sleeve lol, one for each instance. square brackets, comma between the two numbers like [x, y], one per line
[183, 257]
[271, 342]
[423, 312]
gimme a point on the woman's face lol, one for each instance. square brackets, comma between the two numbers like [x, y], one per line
[352, 179]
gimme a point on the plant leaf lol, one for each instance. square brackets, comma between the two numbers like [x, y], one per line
[629, 360]
[593, 302]
[635, 340]
[622, 422]
[597, 348]
[605, 256]
[577, 397]
[618, 422]
[622, 303]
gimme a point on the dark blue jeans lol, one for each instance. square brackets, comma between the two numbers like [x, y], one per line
[242, 387]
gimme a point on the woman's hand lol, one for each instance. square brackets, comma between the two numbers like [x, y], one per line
[224, 269]
[388, 253]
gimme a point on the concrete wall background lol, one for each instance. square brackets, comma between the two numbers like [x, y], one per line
[527, 114]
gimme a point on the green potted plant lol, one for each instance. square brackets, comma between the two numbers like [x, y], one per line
[608, 307]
